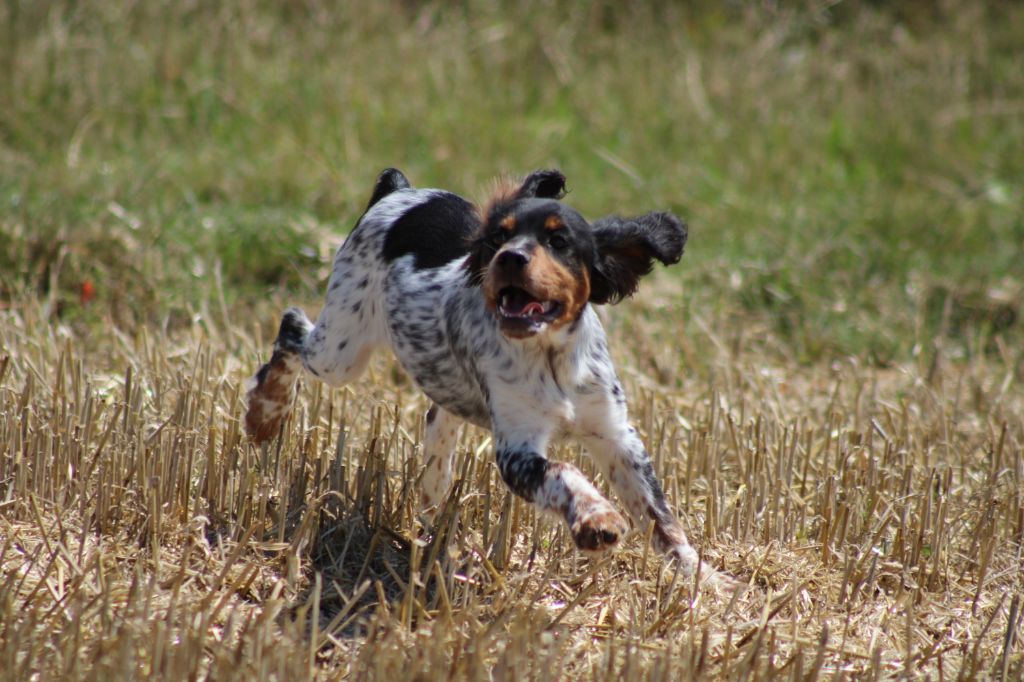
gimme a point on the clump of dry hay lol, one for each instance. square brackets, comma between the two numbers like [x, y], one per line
[876, 514]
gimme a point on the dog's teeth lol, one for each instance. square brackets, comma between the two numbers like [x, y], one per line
[546, 306]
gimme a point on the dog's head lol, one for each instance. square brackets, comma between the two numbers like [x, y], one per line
[539, 263]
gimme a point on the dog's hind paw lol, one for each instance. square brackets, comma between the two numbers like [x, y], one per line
[271, 396]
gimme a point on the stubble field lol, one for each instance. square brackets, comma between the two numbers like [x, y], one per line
[829, 382]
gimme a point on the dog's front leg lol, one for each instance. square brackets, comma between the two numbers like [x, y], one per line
[619, 452]
[621, 456]
[558, 488]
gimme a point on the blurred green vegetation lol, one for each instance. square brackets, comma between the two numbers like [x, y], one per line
[852, 173]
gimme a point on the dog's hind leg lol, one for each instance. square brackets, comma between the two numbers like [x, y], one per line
[339, 347]
[336, 350]
[438, 452]
[271, 397]
[351, 324]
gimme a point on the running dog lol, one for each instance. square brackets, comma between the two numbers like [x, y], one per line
[492, 314]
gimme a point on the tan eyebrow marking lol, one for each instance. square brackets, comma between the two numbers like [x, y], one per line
[507, 223]
[553, 223]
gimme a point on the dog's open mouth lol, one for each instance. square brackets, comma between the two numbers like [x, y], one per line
[521, 311]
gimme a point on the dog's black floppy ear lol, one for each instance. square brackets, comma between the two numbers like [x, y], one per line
[542, 184]
[626, 249]
[390, 180]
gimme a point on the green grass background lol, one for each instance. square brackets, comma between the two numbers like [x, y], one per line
[853, 174]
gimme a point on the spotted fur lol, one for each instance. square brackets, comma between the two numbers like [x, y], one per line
[492, 315]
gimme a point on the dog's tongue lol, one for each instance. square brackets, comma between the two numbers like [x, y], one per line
[532, 308]
[519, 303]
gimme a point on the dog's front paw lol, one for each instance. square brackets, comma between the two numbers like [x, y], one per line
[687, 557]
[598, 528]
[689, 561]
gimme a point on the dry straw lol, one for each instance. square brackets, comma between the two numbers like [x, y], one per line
[876, 514]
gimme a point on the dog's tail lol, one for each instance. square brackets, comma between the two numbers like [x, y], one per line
[390, 180]
[273, 388]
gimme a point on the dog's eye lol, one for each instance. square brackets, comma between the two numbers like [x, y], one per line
[558, 241]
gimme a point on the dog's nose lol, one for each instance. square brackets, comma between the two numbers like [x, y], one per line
[513, 260]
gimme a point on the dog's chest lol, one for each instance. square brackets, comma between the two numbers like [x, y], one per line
[554, 390]
[539, 391]
[449, 343]
[532, 386]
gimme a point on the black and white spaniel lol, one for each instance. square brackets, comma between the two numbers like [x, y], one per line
[493, 317]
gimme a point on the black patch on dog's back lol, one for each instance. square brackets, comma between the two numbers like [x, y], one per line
[436, 232]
